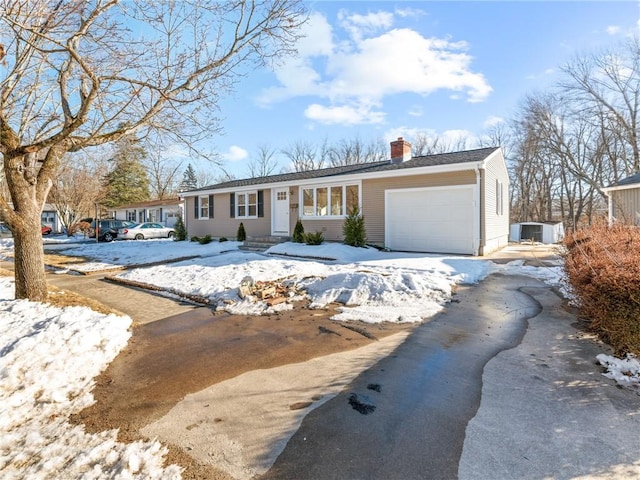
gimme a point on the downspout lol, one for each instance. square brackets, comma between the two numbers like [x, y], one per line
[480, 189]
[609, 207]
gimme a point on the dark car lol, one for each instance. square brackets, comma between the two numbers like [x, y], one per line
[107, 229]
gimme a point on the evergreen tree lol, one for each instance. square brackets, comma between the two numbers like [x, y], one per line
[179, 230]
[353, 229]
[127, 180]
[241, 236]
[298, 232]
[189, 179]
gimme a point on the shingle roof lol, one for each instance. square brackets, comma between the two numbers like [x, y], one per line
[628, 181]
[150, 203]
[466, 156]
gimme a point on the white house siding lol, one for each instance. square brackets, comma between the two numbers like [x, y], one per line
[495, 226]
[626, 205]
[373, 192]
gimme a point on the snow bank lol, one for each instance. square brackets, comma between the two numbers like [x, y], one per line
[48, 359]
[625, 371]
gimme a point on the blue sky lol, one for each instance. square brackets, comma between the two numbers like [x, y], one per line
[379, 69]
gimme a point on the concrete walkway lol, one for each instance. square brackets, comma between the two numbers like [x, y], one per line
[142, 306]
[547, 412]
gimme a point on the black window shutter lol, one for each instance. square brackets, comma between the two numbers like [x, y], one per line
[195, 207]
[232, 203]
[210, 206]
[160, 219]
[260, 203]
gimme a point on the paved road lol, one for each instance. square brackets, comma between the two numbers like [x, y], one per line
[429, 391]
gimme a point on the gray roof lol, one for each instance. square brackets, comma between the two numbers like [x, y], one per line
[467, 156]
[628, 181]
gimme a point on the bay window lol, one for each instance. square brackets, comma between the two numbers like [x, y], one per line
[330, 201]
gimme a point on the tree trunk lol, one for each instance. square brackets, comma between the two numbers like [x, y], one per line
[28, 191]
[29, 259]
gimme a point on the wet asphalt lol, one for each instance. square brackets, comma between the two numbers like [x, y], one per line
[405, 418]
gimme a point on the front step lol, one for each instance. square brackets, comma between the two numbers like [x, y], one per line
[260, 244]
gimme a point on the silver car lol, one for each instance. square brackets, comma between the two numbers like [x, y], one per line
[140, 231]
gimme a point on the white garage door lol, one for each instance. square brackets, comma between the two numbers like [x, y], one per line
[439, 220]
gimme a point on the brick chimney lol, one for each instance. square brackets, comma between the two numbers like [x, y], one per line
[400, 150]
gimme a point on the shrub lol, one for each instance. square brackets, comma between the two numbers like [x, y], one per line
[241, 236]
[353, 229]
[81, 226]
[298, 232]
[201, 240]
[602, 265]
[179, 230]
[313, 238]
[222, 239]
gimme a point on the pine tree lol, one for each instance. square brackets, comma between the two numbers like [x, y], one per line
[189, 179]
[179, 230]
[298, 232]
[127, 180]
[241, 236]
[353, 229]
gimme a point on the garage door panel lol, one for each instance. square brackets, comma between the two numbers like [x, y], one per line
[431, 220]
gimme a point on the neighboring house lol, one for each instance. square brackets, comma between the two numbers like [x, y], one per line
[50, 218]
[624, 200]
[542, 232]
[446, 203]
[161, 211]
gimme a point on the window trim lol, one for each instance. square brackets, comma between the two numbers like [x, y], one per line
[329, 187]
[246, 205]
[200, 204]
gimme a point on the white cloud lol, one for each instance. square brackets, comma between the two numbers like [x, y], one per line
[360, 25]
[235, 154]
[343, 115]
[492, 121]
[416, 111]
[410, 12]
[448, 140]
[372, 63]
[613, 29]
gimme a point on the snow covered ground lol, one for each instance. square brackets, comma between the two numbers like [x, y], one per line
[49, 356]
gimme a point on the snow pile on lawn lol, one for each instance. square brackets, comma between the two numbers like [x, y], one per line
[374, 286]
[123, 253]
[625, 371]
[48, 359]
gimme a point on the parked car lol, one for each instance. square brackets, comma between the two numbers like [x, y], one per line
[45, 230]
[141, 231]
[107, 229]
[4, 231]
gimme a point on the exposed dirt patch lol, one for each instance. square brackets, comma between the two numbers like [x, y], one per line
[168, 359]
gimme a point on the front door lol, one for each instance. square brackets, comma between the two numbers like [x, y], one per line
[281, 211]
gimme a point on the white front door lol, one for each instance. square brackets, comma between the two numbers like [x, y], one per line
[281, 211]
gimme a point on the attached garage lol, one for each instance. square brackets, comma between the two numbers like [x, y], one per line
[436, 219]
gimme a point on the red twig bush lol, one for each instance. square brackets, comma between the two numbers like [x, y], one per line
[602, 266]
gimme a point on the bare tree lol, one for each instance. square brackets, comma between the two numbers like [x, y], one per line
[80, 74]
[163, 172]
[304, 156]
[606, 87]
[77, 188]
[424, 144]
[354, 151]
[264, 162]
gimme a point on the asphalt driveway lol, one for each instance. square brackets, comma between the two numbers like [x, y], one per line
[503, 384]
